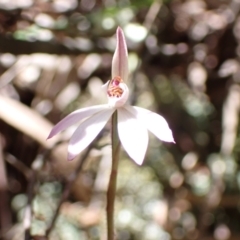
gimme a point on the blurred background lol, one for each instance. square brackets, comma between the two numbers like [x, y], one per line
[184, 65]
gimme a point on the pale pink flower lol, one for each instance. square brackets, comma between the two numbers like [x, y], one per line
[133, 122]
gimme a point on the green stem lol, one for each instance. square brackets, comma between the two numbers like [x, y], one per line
[113, 179]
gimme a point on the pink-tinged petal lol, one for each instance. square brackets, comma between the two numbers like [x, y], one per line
[105, 86]
[133, 135]
[75, 117]
[153, 122]
[120, 57]
[119, 101]
[87, 132]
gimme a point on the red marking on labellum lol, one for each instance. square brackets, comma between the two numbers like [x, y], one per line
[113, 88]
[115, 82]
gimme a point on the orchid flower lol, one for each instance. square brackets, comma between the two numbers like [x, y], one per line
[133, 122]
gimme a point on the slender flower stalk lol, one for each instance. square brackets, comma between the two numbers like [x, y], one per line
[130, 124]
[111, 192]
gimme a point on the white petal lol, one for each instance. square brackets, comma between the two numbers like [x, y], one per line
[153, 122]
[120, 57]
[87, 131]
[75, 117]
[133, 135]
[105, 86]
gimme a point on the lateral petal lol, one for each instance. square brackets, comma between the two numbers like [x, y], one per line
[133, 135]
[87, 132]
[75, 117]
[153, 122]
